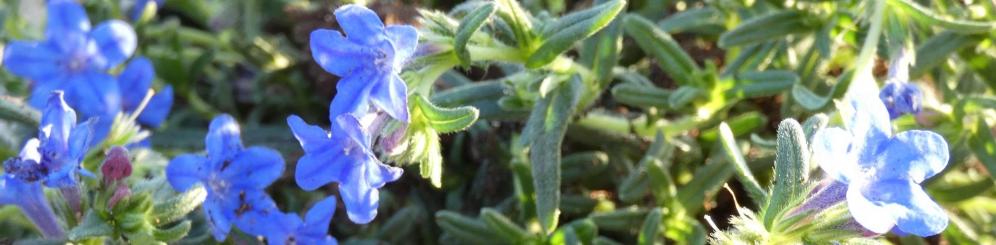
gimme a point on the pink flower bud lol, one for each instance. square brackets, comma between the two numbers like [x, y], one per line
[120, 193]
[117, 166]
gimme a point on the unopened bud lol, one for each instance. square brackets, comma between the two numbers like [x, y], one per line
[117, 166]
[120, 193]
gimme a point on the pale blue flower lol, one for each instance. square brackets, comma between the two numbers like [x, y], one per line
[883, 171]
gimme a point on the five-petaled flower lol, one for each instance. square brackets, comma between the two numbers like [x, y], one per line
[74, 58]
[368, 61]
[343, 157]
[233, 176]
[883, 171]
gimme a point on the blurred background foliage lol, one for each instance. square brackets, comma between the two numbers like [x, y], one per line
[642, 165]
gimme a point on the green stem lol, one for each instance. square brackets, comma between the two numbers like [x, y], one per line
[863, 80]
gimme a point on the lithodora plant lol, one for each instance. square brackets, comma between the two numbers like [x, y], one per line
[497, 122]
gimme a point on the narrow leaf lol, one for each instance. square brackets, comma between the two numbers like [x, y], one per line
[657, 43]
[925, 14]
[764, 83]
[733, 155]
[466, 229]
[791, 169]
[562, 34]
[502, 225]
[651, 227]
[470, 24]
[984, 145]
[178, 206]
[772, 26]
[14, 110]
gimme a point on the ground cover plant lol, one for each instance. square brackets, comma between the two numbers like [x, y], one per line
[497, 122]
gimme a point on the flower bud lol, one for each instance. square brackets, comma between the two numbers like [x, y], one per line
[117, 166]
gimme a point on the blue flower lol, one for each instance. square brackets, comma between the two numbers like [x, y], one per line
[20, 186]
[899, 95]
[140, 6]
[367, 61]
[134, 81]
[74, 58]
[288, 228]
[901, 98]
[233, 176]
[62, 143]
[343, 157]
[883, 171]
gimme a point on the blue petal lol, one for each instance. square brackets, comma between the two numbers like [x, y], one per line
[316, 222]
[872, 214]
[30, 150]
[352, 96]
[115, 41]
[404, 38]
[254, 168]
[360, 198]
[223, 139]
[185, 171]
[316, 169]
[348, 127]
[391, 95]
[312, 138]
[255, 212]
[379, 173]
[360, 23]
[219, 218]
[94, 94]
[41, 91]
[134, 81]
[916, 155]
[65, 17]
[57, 121]
[901, 202]
[336, 54]
[868, 121]
[32, 60]
[282, 226]
[830, 151]
[158, 108]
[80, 140]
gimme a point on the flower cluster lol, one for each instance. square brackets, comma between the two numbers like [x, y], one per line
[235, 178]
[367, 59]
[882, 171]
[75, 58]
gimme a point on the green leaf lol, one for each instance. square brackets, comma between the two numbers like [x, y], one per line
[937, 49]
[178, 206]
[640, 95]
[771, 26]
[791, 170]
[984, 145]
[807, 99]
[657, 43]
[14, 110]
[466, 229]
[707, 179]
[635, 186]
[562, 34]
[502, 225]
[583, 164]
[764, 83]
[446, 120]
[651, 228]
[705, 20]
[683, 96]
[544, 133]
[519, 20]
[172, 234]
[470, 24]
[924, 14]
[91, 227]
[624, 220]
[814, 124]
[601, 52]
[401, 224]
[733, 155]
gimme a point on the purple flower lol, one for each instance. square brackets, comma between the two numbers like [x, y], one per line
[883, 171]
[134, 81]
[368, 61]
[344, 157]
[233, 176]
[20, 186]
[74, 58]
